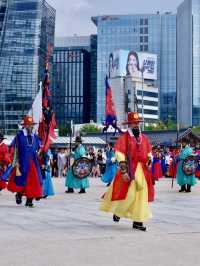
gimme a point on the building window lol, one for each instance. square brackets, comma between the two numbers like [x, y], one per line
[145, 39]
[141, 47]
[141, 21]
[146, 21]
[145, 47]
[141, 30]
[148, 94]
[141, 39]
[146, 30]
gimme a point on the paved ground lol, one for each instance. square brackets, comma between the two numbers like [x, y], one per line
[69, 230]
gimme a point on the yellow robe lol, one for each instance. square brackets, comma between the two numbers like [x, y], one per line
[135, 207]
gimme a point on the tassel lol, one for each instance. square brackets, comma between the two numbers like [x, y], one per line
[18, 173]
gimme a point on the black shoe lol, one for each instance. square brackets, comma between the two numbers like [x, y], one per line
[108, 184]
[116, 218]
[38, 199]
[70, 190]
[139, 226]
[18, 198]
[183, 188]
[45, 196]
[82, 191]
[29, 203]
[188, 188]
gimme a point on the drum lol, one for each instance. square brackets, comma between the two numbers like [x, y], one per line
[82, 168]
[190, 165]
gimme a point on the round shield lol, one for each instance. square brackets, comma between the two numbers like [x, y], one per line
[190, 165]
[82, 168]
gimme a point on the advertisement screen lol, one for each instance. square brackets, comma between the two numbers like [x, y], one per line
[130, 63]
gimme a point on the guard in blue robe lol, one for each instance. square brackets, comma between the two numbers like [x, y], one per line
[26, 178]
[71, 181]
[111, 165]
[185, 181]
[48, 189]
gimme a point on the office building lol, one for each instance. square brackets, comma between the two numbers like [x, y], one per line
[153, 33]
[188, 63]
[27, 32]
[74, 79]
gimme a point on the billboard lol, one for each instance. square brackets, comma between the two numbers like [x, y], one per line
[130, 63]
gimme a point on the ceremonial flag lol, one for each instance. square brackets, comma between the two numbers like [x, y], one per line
[111, 117]
[47, 124]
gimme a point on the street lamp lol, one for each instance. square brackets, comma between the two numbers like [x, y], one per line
[142, 71]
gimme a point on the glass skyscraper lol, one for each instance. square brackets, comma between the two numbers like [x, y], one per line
[148, 33]
[27, 30]
[188, 63]
[74, 79]
[168, 68]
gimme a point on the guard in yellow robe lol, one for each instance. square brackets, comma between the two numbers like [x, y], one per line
[132, 189]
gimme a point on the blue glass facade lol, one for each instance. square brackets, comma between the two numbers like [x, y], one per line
[168, 68]
[139, 33]
[75, 100]
[28, 29]
[71, 85]
[93, 73]
[188, 63]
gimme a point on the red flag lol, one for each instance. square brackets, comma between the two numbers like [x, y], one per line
[48, 124]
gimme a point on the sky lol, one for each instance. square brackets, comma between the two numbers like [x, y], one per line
[74, 16]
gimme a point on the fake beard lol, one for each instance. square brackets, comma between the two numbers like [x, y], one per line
[136, 132]
[29, 130]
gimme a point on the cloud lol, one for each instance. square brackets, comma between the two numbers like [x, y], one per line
[81, 5]
[74, 16]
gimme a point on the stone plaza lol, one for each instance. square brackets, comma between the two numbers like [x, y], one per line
[69, 230]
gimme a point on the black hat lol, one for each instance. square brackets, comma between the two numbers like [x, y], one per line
[1, 136]
[78, 139]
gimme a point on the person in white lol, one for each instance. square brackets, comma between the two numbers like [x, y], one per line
[61, 162]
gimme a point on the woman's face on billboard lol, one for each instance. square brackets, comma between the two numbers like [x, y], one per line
[132, 64]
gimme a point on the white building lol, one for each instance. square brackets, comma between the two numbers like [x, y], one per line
[127, 96]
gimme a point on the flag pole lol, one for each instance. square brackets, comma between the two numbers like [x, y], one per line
[174, 159]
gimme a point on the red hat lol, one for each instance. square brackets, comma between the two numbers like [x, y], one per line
[133, 118]
[28, 121]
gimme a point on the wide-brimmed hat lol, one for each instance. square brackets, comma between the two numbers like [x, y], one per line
[78, 139]
[1, 136]
[28, 121]
[133, 118]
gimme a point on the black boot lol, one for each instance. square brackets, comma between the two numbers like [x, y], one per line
[188, 188]
[116, 218]
[82, 191]
[29, 203]
[108, 184]
[18, 198]
[139, 226]
[183, 188]
[38, 199]
[70, 190]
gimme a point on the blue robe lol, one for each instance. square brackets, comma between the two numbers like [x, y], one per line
[27, 153]
[71, 181]
[111, 167]
[47, 181]
[29, 181]
[183, 179]
[163, 165]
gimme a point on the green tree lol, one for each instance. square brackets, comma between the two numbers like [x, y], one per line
[160, 125]
[196, 130]
[89, 129]
[64, 130]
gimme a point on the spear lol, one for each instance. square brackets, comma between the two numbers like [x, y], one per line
[174, 158]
